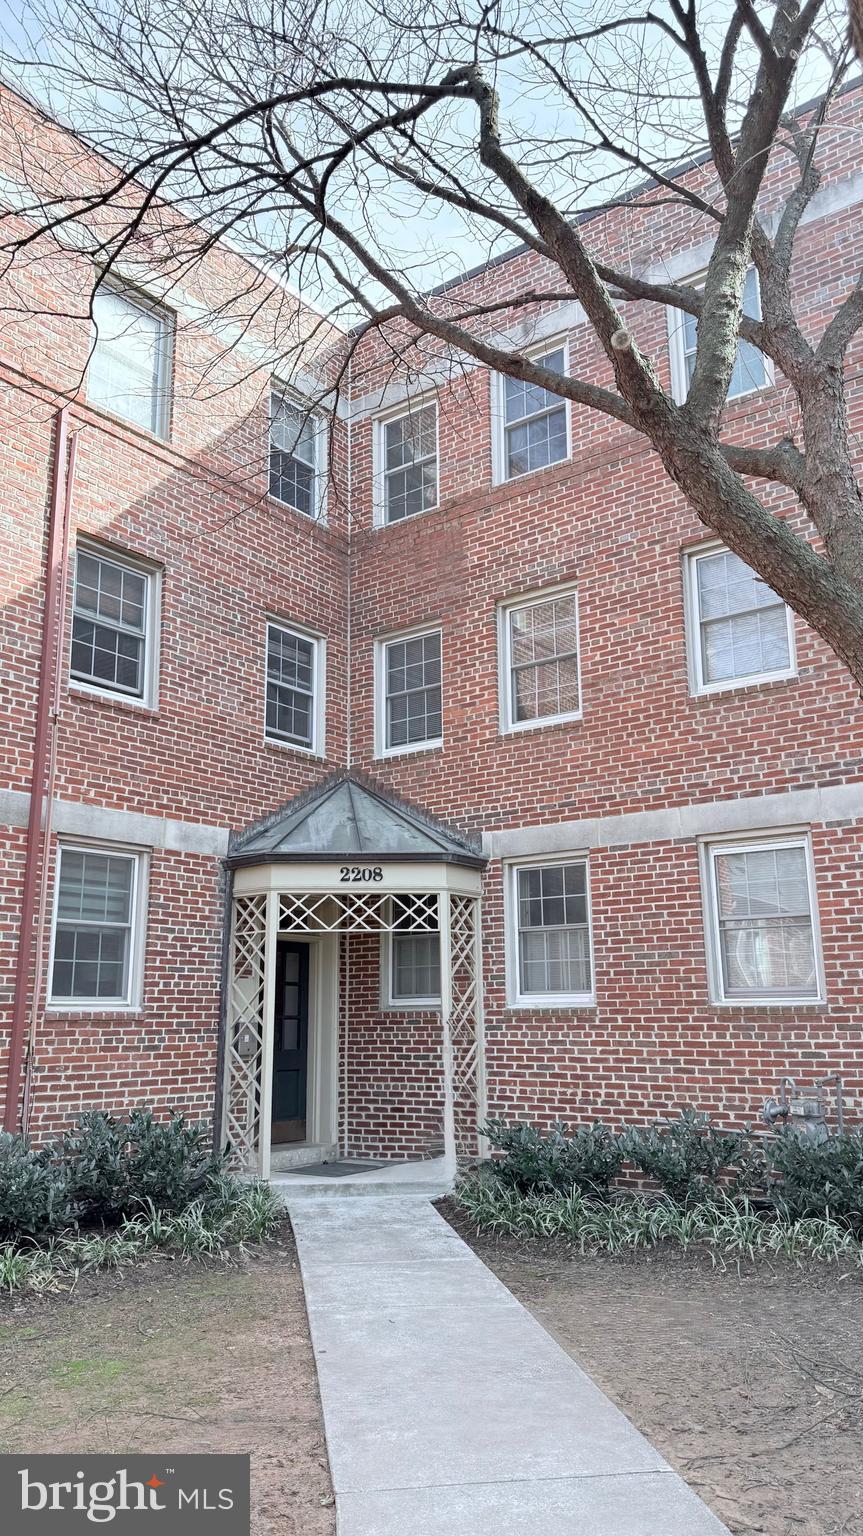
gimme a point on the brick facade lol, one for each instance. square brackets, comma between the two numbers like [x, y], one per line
[608, 521]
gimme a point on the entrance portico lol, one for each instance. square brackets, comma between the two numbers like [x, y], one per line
[343, 862]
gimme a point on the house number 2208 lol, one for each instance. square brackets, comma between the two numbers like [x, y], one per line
[357, 874]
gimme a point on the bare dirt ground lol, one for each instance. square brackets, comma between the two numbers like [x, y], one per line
[750, 1383]
[174, 1358]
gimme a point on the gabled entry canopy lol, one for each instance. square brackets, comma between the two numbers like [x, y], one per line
[345, 821]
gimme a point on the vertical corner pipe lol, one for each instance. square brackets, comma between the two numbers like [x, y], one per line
[58, 535]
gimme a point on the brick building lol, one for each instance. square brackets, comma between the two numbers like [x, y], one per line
[333, 681]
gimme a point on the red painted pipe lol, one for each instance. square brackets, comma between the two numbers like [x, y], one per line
[57, 557]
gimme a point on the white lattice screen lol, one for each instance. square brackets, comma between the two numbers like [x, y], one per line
[357, 912]
[466, 1031]
[246, 1025]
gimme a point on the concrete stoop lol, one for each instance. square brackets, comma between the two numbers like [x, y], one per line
[427, 1180]
[448, 1408]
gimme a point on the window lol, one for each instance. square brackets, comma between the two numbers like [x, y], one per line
[295, 688]
[761, 902]
[407, 463]
[740, 631]
[534, 423]
[130, 364]
[96, 945]
[751, 368]
[550, 923]
[409, 692]
[296, 439]
[411, 968]
[539, 661]
[114, 624]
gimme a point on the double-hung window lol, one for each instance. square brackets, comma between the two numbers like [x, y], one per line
[130, 365]
[549, 939]
[533, 422]
[762, 921]
[295, 686]
[410, 705]
[539, 661]
[97, 933]
[407, 454]
[114, 624]
[411, 967]
[296, 451]
[740, 631]
[750, 368]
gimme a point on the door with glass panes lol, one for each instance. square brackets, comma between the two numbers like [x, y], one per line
[290, 1042]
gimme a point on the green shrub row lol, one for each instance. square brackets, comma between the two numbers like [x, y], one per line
[103, 1171]
[226, 1216]
[729, 1228]
[691, 1161]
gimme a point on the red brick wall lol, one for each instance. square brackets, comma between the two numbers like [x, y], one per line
[609, 520]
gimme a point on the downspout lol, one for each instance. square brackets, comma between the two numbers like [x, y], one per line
[34, 895]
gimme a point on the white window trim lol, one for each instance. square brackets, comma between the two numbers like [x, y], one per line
[698, 685]
[508, 725]
[319, 687]
[541, 1001]
[137, 931]
[389, 1002]
[379, 424]
[677, 355]
[381, 643]
[321, 438]
[498, 424]
[164, 384]
[709, 849]
[148, 699]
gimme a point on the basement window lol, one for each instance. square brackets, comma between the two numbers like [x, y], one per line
[98, 927]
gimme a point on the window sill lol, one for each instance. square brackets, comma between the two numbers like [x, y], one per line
[776, 1004]
[315, 519]
[548, 723]
[381, 523]
[744, 684]
[410, 751]
[500, 482]
[292, 746]
[107, 699]
[95, 1010]
[551, 1006]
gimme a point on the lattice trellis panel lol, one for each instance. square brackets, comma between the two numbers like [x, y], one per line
[466, 1030]
[357, 912]
[246, 1026]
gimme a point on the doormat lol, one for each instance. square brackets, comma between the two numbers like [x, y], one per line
[339, 1170]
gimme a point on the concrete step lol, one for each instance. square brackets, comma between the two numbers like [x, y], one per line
[301, 1154]
[424, 1180]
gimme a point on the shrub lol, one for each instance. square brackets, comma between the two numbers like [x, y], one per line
[34, 1192]
[686, 1157]
[113, 1167]
[588, 1159]
[809, 1178]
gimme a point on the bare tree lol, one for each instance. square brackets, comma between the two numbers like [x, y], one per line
[358, 146]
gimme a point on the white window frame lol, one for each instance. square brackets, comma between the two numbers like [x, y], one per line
[379, 425]
[148, 699]
[710, 848]
[508, 723]
[133, 1002]
[319, 686]
[164, 379]
[677, 353]
[498, 415]
[321, 438]
[698, 684]
[390, 1003]
[380, 669]
[542, 1001]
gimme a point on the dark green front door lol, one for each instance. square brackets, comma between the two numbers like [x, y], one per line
[291, 1042]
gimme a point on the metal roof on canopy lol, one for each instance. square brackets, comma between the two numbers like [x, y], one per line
[344, 820]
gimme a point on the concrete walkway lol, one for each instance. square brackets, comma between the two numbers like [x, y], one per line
[449, 1411]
